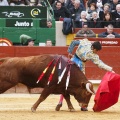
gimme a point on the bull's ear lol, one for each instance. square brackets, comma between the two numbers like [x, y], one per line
[83, 85]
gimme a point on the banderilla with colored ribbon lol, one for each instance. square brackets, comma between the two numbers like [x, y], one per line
[53, 70]
[45, 70]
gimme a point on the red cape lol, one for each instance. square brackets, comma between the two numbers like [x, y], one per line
[108, 92]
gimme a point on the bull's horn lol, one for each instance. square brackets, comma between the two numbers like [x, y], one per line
[88, 88]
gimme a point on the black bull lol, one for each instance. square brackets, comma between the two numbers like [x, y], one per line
[26, 70]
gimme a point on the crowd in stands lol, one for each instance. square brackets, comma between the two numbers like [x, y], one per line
[22, 3]
[90, 14]
[97, 13]
[87, 32]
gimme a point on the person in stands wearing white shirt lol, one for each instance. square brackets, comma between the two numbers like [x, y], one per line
[4, 3]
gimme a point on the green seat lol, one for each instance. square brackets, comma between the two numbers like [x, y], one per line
[13, 34]
[45, 33]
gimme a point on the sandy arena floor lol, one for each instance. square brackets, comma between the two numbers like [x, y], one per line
[18, 107]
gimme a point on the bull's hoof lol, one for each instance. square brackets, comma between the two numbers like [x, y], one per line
[84, 109]
[58, 107]
[33, 110]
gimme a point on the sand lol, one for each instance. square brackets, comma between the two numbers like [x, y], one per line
[18, 107]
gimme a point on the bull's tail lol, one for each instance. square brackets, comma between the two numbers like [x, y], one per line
[3, 59]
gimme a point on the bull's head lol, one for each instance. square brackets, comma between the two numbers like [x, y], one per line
[84, 93]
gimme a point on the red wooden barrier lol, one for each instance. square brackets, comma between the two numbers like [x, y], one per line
[29, 51]
[104, 41]
[109, 54]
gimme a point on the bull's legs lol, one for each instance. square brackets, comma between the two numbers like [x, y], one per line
[5, 85]
[67, 98]
[70, 106]
[45, 93]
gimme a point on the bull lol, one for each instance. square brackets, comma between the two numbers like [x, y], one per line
[26, 70]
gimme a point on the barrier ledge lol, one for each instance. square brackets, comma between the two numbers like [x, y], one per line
[95, 81]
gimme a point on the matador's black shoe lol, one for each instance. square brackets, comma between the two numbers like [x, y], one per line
[84, 109]
[58, 107]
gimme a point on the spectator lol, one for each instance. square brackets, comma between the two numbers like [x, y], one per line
[33, 3]
[106, 8]
[48, 42]
[46, 23]
[60, 11]
[82, 1]
[62, 2]
[18, 2]
[82, 20]
[109, 33]
[95, 1]
[99, 5]
[85, 32]
[92, 9]
[107, 19]
[51, 1]
[30, 42]
[4, 3]
[76, 10]
[95, 21]
[26, 40]
[113, 4]
[70, 4]
[116, 16]
[49, 23]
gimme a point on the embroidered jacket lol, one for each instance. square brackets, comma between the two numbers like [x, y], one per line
[84, 52]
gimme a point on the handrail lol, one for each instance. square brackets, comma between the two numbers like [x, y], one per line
[50, 9]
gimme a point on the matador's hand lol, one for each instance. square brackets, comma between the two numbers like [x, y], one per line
[113, 71]
[70, 55]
